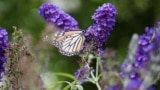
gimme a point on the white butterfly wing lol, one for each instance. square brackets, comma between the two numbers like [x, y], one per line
[69, 43]
[57, 38]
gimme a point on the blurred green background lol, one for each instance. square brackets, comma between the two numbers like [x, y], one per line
[132, 17]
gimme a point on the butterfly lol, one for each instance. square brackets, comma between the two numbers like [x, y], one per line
[69, 42]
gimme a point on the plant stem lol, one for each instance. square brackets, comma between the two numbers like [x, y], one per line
[97, 66]
[98, 86]
[96, 81]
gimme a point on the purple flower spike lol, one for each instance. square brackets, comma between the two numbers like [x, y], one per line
[97, 34]
[138, 67]
[144, 46]
[3, 47]
[55, 15]
[105, 15]
[82, 74]
[141, 56]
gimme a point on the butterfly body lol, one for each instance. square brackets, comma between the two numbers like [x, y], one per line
[69, 42]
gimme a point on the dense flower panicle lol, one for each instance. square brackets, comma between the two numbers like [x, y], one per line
[82, 74]
[95, 37]
[147, 56]
[144, 46]
[55, 15]
[3, 47]
[105, 15]
[97, 34]
[141, 57]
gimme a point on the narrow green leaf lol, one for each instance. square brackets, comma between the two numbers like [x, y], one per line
[66, 75]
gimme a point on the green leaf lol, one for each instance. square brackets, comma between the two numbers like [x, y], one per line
[66, 75]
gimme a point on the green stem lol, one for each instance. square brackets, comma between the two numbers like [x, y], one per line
[98, 86]
[97, 66]
[96, 81]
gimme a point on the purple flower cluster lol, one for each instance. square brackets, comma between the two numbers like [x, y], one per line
[105, 16]
[55, 15]
[97, 34]
[82, 74]
[3, 47]
[141, 57]
[144, 46]
[140, 69]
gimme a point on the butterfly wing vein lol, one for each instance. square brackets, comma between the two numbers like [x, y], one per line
[69, 43]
